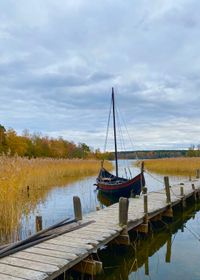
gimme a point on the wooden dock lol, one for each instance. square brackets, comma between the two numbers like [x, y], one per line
[51, 258]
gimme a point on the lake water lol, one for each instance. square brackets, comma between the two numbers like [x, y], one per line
[180, 240]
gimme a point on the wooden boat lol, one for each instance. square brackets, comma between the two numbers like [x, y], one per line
[113, 184]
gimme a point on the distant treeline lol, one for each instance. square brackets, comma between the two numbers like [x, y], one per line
[152, 154]
[36, 145]
[191, 152]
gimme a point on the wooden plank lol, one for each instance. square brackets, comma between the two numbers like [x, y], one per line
[94, 232]
[45, 259]
[22, 272]
[39, 266]
[93, 239]
[51, 253]
[8, 277]
[66, 239]
[62, 248]
[70, 244]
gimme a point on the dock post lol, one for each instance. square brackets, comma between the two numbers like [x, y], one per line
[123, 238]
[198, 173]
[145, 209]
[182, 196]
[194, 191]
[144, 190]
[38, 223]
[169, 211]
[28, 191]
[123, 211]
[167, 189]
[144, 227]
[77, 208]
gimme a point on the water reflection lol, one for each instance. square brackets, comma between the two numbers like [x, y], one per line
[106, 199]
[147, 255]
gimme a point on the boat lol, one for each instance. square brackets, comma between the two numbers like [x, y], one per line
[109, 183]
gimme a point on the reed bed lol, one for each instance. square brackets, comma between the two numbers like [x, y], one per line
[173, 166]
[25, 182]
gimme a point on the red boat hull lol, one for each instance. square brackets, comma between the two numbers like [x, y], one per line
[133, 186]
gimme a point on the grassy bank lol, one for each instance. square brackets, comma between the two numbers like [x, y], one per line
[40, 175]
[173, 166]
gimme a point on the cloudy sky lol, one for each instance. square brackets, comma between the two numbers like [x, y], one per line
[59, 60]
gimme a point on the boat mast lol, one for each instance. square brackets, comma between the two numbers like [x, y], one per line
[114, 127]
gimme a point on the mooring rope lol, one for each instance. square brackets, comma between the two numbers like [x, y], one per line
[153, 176]
[171, 189]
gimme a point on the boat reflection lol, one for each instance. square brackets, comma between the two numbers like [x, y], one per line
[106, 199]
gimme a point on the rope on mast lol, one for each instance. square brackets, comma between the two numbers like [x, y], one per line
[107, 129]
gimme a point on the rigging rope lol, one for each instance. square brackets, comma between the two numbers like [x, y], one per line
[121, 138]
[130, 139]
[107, 129]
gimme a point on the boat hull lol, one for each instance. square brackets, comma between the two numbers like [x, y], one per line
[126, 188]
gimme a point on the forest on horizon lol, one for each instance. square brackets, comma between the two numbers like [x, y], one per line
[36, 145]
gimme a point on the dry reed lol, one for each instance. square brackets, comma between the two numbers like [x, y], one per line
[173, 166]
[40, 175]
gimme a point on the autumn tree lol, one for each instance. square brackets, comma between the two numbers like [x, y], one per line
[2, 139]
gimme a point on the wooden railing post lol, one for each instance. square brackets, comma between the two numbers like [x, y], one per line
[194, 191]
[198, 173]
[38, 223]
[145, 209]
[169, 212]
[123, 211]
[182, 196]
[167, 189]
[142, 166]
[182, 191]
[77, 208]
[143, 189]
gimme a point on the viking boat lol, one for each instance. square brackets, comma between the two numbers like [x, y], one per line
[113, 184]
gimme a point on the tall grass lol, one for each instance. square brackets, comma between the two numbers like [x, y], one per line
[40, 175]
[173, 166]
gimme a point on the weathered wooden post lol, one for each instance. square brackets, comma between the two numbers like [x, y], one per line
[198, 173]
[144, 227]
[145, 209]
[28, 191]
[77, 208]
[182, 196]
[123, 211]
[144, 190]
[38, 223]
[167, 189]
[169, 211]
[123, 238]
[182, 190]
[194, 192]
[190, 178]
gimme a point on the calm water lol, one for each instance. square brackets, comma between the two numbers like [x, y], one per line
[171, 251]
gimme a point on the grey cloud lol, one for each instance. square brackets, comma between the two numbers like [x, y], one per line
[59, 60]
